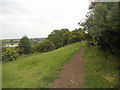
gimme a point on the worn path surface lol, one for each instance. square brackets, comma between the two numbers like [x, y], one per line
[72, 74]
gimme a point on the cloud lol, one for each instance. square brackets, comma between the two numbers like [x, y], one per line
[11, 7]
[37, 18]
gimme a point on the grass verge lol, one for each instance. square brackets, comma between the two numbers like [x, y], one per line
[100, 72]
[37, 70]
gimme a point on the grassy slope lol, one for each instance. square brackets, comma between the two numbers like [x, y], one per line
[100, 72]
[37, 70]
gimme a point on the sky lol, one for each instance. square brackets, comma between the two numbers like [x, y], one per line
[38, 18]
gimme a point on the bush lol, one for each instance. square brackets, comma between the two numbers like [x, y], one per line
[9, 55]
[44, 46]
[19, 50]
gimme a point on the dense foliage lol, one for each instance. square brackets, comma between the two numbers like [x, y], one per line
[44, 46]
[9, 55]
[103, 26]
[56, 37]
[25, 44]
[19, 50]
[65, 38]
[76, 35]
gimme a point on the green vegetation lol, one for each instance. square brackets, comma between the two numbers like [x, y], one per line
[25, 44]
[9, 55]
[103, 26]
[56, 37]
[101, 29]
[65, 38]
[101, 69]
[44, 46]
[37, 70]
[76, 36]
[19, 50]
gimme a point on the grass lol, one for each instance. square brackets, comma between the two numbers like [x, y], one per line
[37, 70]
[100, 72]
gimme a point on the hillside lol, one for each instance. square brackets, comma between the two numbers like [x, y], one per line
[37, 70]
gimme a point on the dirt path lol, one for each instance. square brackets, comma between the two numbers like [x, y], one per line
[72, 74]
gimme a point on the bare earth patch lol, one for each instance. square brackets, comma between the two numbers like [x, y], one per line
[72, 74]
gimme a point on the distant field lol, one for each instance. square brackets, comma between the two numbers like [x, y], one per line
[37, 70]
[100, 72]
[10, 43]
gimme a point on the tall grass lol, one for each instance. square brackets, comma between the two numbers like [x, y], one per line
[37, 70]
[101, 72]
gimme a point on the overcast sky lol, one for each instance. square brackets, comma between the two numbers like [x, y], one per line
[38, 18]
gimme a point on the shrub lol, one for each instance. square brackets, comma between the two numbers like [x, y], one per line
[44, 46]
[9, 55]
[19, 50]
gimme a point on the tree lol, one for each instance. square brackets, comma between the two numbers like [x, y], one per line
[25, 44]
[56, 37]
[76, 36]
[65, 38]
[103, 26]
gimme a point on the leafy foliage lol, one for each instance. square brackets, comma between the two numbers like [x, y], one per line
[9, 55]
[103, 26]
[76, 36]
[44, 46]
[73, 36]
[25, 44]
[19, 50]
[65, 38]
[56, 37]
